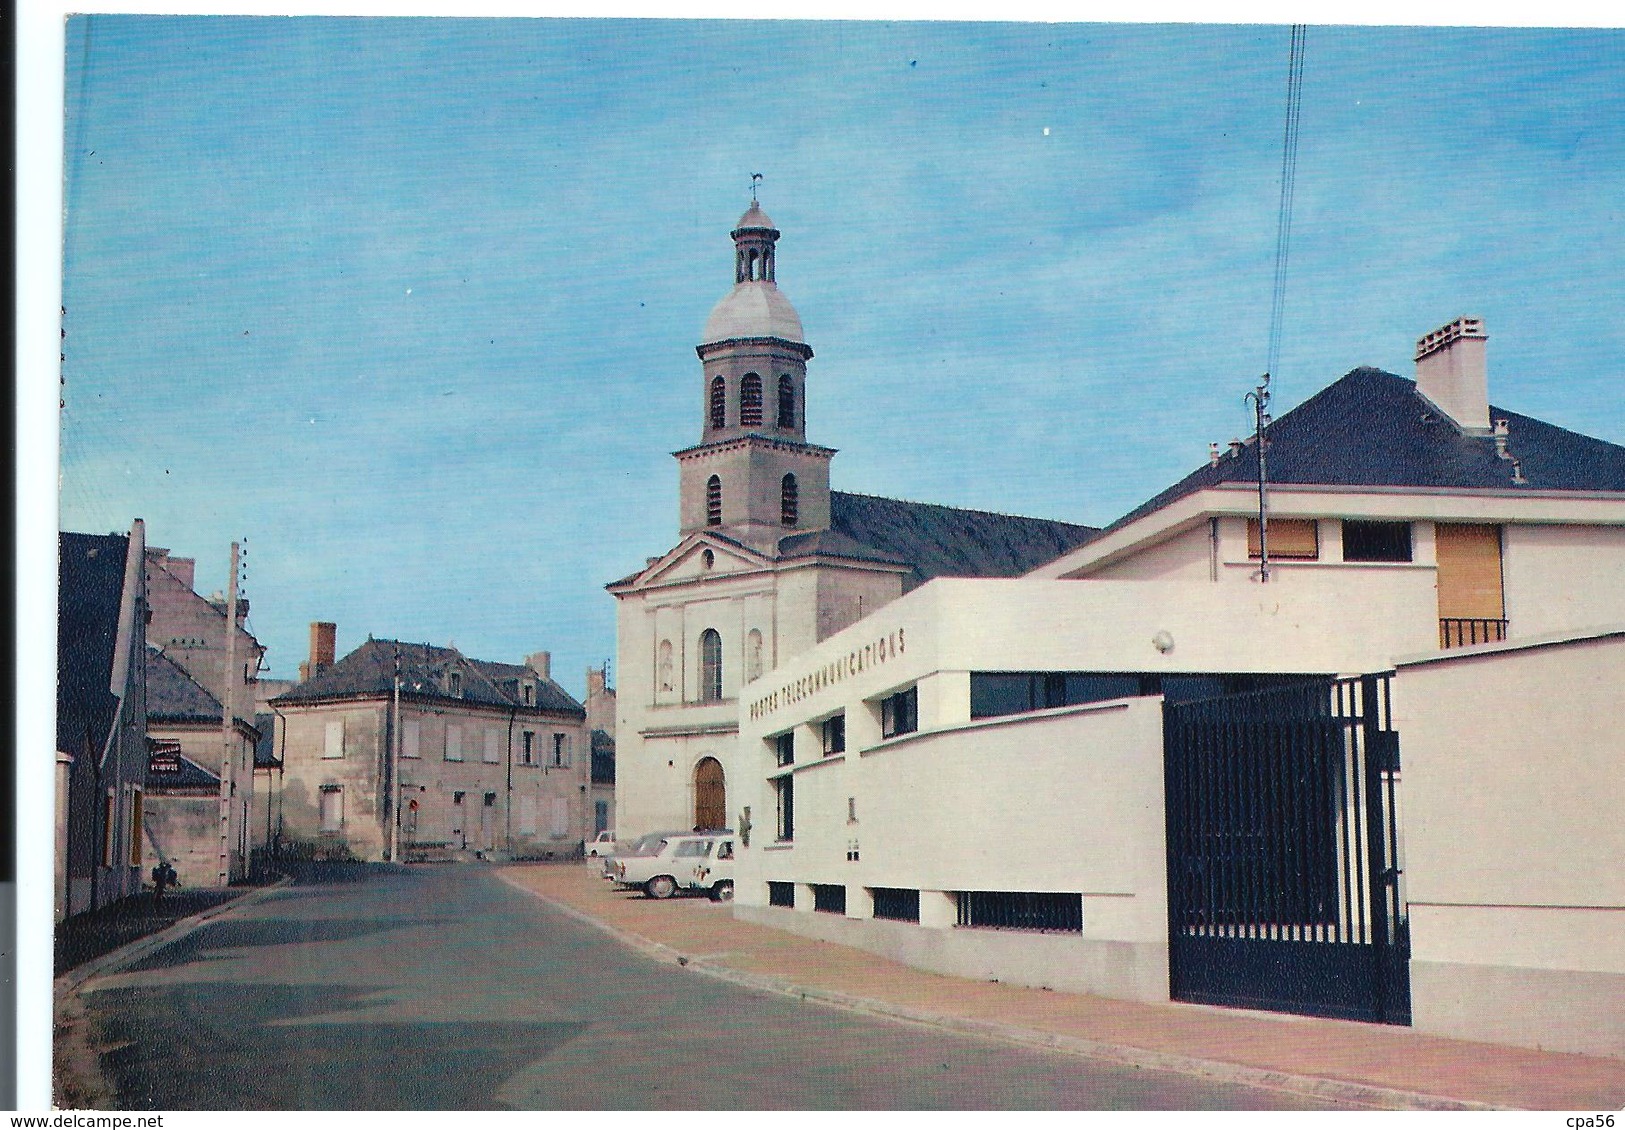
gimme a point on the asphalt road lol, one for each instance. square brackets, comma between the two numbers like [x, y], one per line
[444, 988]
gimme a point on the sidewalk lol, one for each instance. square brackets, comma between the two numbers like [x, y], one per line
[1373, 1064]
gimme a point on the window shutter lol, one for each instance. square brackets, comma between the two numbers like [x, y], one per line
[412, 738]
[454, 742]
[559, 822]
[1469, 559]
[527, 816]
[334, 744]
[493, 747]
[1290, 539]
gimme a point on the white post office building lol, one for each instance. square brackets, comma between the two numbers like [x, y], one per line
[1361, 762]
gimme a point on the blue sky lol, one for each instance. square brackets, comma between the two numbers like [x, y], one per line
[411, 304]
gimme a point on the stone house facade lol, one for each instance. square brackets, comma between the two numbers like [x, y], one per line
[410, 751]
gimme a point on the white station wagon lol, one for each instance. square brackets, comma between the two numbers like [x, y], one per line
[667, 864]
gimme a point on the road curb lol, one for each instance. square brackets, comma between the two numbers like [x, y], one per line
[113, 960]
[1310, 1086]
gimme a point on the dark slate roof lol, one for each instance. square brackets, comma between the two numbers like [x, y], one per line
[189, 775]
[369, 671]
[265, 749]
[90, 584]
[173, 695]
[936, 541]
[1373, 429]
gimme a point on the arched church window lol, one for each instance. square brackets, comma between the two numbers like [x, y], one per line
[750, 400]
[719, 402]
[713, 501]
[789, 501]
[787, 401]
[710, 666]
[663, 666]
[753, 654]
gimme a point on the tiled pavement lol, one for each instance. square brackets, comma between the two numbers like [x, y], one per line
[1320, 1056]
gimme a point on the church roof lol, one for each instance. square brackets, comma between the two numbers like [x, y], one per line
[754, 309]
[935, 541]
[369, 672]
[1373, 429]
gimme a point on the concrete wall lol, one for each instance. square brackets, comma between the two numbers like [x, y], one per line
[1563, 577]
[1065, 801]
[1512, 839]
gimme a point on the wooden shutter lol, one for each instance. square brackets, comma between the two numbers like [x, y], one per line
[333, 745]
[1290, 538]
[412, 731]
[454, 742]
[493, 747]
[1469, 560]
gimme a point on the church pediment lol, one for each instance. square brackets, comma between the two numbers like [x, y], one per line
[700, 555]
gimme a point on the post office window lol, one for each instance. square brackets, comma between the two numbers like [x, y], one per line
[900, 713]
[835, 735]
[1376, 541]
[784, 748]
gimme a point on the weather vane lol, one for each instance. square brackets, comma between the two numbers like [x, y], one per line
[755, 179]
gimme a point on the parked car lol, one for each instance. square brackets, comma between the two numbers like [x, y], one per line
[713, 872]
[600, 845]
[656, 872]
[646, 845]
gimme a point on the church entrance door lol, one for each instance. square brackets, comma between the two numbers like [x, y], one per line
[710, 795]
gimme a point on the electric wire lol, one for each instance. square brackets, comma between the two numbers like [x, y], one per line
[1289, 177]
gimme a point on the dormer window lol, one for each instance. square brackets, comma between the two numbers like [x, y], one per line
[528, 694]
[454, 684]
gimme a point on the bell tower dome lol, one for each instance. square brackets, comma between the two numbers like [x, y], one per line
[753, 473]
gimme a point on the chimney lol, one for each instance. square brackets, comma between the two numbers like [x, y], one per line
[541, 663]
[322, 634]
[595, 681]
[1451, 373]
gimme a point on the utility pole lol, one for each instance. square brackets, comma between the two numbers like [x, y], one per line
[393, 793]
[228, 697]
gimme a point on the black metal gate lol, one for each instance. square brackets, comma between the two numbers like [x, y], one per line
[1283, 861]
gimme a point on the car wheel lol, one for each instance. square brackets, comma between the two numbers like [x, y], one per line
[660, 887]
[723, 891]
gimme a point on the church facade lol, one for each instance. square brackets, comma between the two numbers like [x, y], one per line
[770, 561]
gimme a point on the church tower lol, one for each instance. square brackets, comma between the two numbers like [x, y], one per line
[753, 476]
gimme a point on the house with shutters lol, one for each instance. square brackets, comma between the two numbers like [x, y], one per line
[409, 751]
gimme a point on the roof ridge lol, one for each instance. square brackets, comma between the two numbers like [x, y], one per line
[964, 509]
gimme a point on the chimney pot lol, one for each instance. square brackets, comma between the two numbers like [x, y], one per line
[1451, 372]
